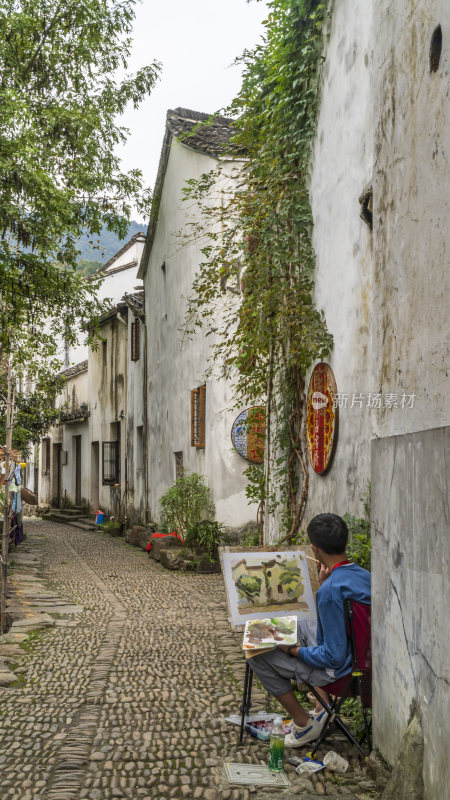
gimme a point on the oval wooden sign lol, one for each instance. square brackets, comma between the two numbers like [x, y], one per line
[247, 434]
[322, 418]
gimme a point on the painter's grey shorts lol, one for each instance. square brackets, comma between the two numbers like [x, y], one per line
[275, 669]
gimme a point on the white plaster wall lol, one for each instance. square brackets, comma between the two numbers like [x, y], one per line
[175, 369]
[411, 451]
[69, 469]
[342, 167]
[107, 393]
[136, 495]
[75, 392]
[412, 206]
[113, 287]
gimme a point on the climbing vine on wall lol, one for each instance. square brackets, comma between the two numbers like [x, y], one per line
[255, 287]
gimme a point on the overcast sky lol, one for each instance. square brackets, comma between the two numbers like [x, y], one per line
[196, 41]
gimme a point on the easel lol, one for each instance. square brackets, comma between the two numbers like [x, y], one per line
[314, 579]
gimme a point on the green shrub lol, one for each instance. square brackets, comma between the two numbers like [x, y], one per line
[359, 539]
[187, 502]
[111, 525]
[250, 538]
[205, 537]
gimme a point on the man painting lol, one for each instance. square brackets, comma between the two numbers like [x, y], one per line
[324, 654]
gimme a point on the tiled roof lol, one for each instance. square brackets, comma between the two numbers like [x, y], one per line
[135, 302]
[72, 372]
[206, 133]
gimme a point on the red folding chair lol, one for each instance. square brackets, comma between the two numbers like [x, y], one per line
[357, 683]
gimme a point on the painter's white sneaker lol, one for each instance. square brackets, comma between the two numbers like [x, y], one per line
[308, 733]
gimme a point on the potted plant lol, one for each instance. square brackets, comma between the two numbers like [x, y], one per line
[187, 502]
[188, 508]
[204, 538]
[112, 527]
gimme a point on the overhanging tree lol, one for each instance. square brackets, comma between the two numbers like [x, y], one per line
[59, 170]
[60, 176]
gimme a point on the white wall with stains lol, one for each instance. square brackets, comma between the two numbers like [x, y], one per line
[410, 331]
[341, 169]
[176, 366]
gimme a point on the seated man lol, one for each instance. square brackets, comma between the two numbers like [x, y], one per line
[323, 658]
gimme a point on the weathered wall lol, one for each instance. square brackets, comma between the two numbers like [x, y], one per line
[135, 434]
[175, 368]
[107, 393]
[410, 453]
[74, 394]
[411, 597]
[342, 167]
[113, 287]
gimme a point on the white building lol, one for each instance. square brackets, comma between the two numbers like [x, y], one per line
[63, 478]
[189, 417]
[72, 456]
[383, 136]
[119, 275]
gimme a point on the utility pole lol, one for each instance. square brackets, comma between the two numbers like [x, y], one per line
[5, 533]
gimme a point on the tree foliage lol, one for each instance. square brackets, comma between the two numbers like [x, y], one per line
[187, 502]
[257, 278]
[59, 174]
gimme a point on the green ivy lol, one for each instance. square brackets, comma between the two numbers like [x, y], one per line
[256, 284]
[359, 535]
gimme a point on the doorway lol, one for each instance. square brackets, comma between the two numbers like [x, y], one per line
[95, 472]
[76, 446]
[56, 475]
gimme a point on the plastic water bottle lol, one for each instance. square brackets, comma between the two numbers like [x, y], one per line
[276, 747]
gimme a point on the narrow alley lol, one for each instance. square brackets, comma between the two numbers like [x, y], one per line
[125, 698]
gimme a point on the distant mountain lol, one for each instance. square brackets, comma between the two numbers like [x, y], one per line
[102, 248]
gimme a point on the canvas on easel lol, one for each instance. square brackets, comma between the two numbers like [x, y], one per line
[267, 582]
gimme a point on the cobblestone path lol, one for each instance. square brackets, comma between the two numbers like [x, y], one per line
[128, 703]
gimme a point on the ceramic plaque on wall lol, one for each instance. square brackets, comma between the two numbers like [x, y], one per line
[247, 434]
[322, 418]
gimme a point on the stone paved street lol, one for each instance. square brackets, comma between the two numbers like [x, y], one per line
[128, 701]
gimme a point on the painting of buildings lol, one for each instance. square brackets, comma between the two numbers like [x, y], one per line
[263, 582]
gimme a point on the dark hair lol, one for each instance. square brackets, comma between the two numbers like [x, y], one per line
[329, 532]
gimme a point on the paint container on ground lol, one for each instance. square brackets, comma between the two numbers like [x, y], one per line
[335, 762]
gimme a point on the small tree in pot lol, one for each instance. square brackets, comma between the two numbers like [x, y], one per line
[188, 508]
[204, 538]
[187, 502]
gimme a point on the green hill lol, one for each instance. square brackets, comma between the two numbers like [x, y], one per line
[101, 248]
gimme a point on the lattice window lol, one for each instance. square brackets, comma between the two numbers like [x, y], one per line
[110, 462]
[135, 340]
[178, 465]
[198, 407]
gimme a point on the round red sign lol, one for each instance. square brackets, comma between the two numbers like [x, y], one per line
[322, 417]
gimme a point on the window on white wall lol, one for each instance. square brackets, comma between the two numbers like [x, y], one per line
[110, 462]
[198, 409]
[139, 455]
[135, 340]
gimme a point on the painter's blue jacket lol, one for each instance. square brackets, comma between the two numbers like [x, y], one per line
[333, 650]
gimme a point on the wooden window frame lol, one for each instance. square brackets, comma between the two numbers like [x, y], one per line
[135, 340]
[198, 416]
[46, 455]
[111, 475]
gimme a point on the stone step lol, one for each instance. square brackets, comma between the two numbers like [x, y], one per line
[83, 526]
[63, 518]
[72, 511]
